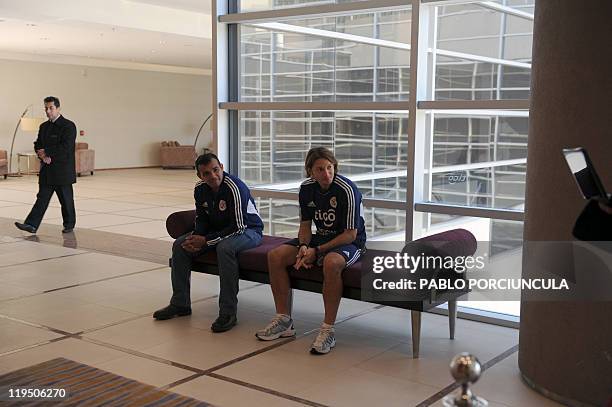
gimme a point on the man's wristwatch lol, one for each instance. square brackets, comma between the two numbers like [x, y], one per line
[302, 244]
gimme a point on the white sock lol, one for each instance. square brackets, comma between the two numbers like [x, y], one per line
[284, 317]
[326, 326]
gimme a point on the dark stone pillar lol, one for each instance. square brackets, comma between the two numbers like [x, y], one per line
[565, 348]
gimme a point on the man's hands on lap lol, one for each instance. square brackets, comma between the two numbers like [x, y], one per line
[305, 257]
[194, 243]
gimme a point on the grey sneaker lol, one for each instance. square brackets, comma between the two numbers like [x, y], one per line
[277, 328]
[324, 342]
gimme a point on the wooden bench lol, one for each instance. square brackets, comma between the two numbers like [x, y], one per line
[254, 267]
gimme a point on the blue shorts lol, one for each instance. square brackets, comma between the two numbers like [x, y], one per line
[349, 252]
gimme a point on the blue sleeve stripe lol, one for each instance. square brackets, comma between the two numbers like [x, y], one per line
[350, 196]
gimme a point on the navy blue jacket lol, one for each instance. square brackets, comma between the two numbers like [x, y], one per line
[227, 213]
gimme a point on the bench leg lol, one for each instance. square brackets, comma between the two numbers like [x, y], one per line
[415, 317]
[290, 301]
[452, 317]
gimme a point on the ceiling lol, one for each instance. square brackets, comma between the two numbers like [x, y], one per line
[167, 35]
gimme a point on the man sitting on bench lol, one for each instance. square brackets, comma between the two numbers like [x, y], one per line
[226, 220]
[334, 203]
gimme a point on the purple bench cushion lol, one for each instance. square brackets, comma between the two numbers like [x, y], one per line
[457, 242]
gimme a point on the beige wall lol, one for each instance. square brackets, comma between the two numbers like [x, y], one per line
[125, 113]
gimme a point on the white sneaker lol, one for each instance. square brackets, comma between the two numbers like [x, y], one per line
[324, 342]
[279, 327]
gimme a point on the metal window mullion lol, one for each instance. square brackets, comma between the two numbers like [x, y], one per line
[317, 106]
[479, 104]
[500, 69]
[480, 58]
[416, 119]
[467, 211]
[431, 94]
[220, 82]
[235, 146]
[272, 126]
[468, 184]
[376, 51]
[325, 10]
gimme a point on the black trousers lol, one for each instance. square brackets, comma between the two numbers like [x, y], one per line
[66, 198]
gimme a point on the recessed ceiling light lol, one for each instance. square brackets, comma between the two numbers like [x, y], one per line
[153, 51]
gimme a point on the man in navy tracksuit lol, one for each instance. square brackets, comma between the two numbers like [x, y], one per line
[226, 221]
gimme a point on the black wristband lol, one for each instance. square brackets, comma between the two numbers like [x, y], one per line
[317, 250]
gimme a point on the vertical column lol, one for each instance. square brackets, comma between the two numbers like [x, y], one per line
[220, 91]
[565, 348]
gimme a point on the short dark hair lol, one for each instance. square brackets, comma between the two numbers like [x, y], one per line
[53, 99]
[316, 153]
[204, 159]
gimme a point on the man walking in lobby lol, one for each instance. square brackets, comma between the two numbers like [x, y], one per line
[333, 202]
[55, 149]
[226, 221]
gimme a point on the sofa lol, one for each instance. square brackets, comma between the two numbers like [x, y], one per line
[254, 267]
[174, 155]
[3, 163]
[84, 159]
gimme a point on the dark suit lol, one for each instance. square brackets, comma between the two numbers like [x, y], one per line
[57, 139]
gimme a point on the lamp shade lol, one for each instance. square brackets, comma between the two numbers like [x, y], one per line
[31, 123]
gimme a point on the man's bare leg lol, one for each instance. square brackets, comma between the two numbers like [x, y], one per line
[333, 264]
[279, 259]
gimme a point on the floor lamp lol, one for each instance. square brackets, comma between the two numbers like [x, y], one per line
[29, 124]
[199, 131]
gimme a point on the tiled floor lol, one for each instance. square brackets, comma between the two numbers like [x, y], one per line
[89, 297]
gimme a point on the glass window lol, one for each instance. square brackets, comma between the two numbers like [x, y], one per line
[481, 54]
[371, 148]
[307, 60]
[476, 158]
[477, 161]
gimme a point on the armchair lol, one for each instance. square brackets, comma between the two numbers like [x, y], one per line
[173, 155]
[3, 164]
[84, 159]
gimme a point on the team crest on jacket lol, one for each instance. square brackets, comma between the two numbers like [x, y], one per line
[332, 202]
[222, 205]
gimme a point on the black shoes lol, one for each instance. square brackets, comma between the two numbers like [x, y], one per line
[25, 227]
[31, 229]
[224, 323]
[171, 311]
